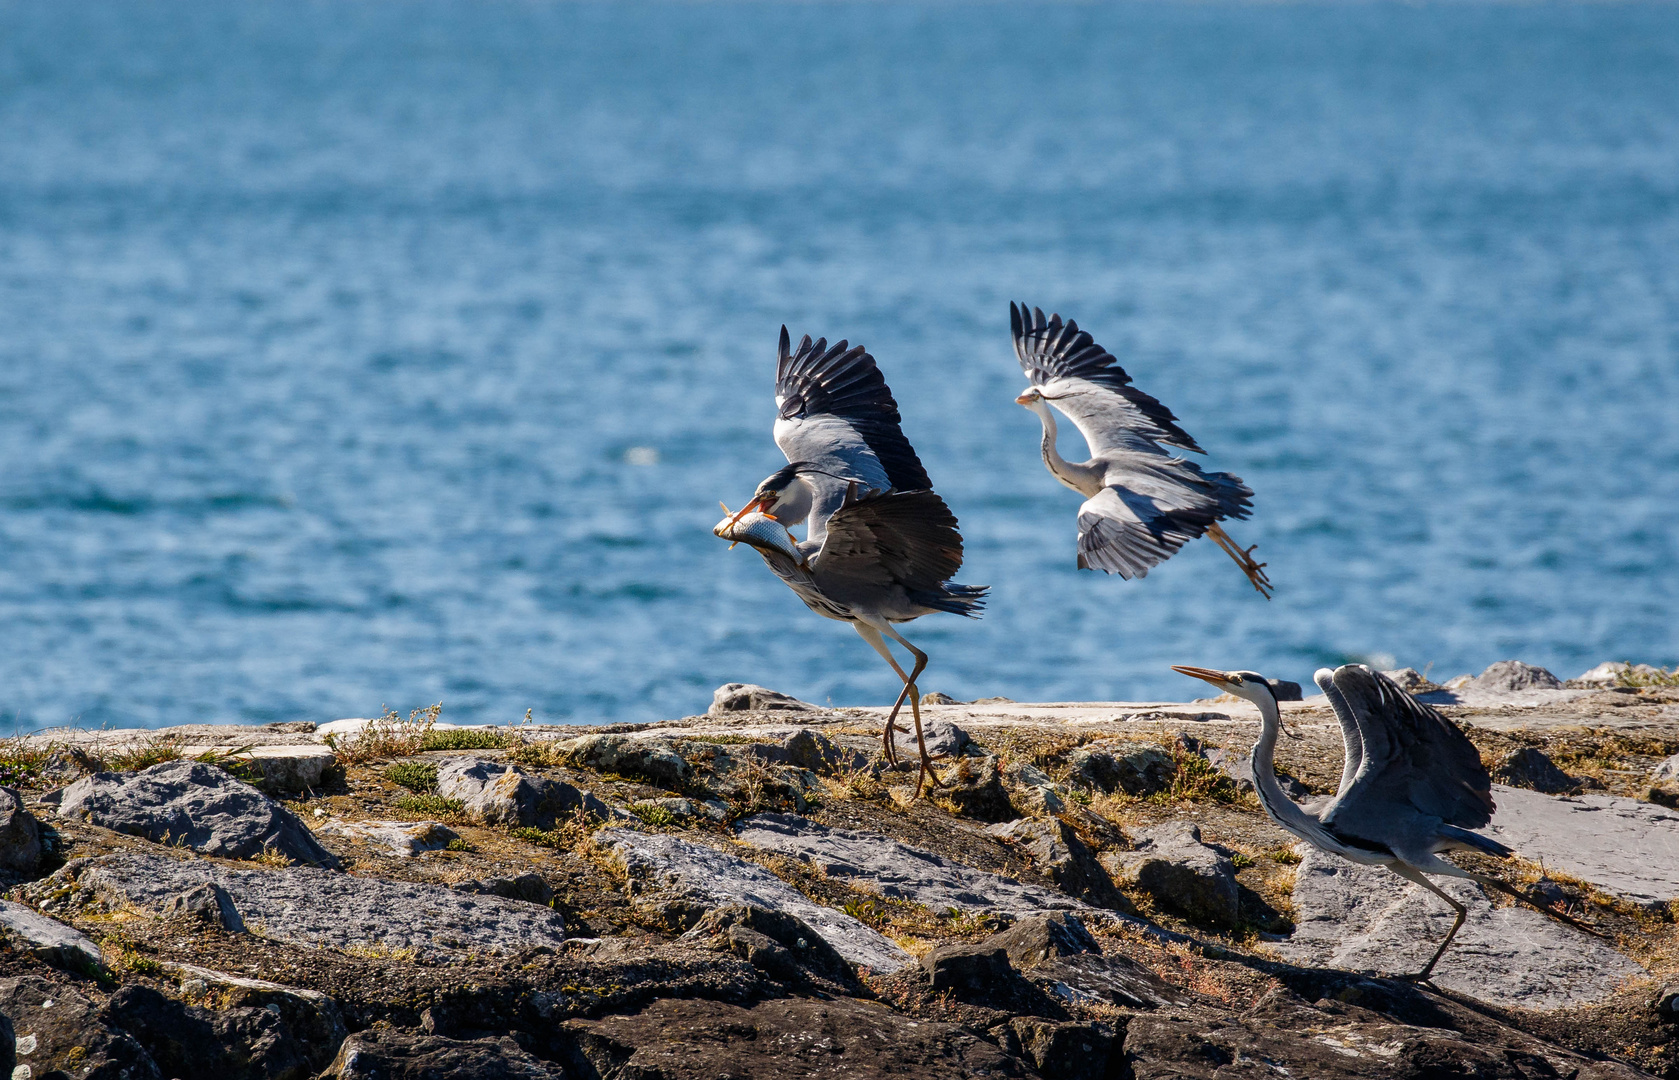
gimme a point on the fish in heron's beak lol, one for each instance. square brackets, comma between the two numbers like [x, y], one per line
[760, 531]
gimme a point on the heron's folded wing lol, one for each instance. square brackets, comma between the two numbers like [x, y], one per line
[1415, 760]
[834, 409]
[905, 538]
[1083, 380]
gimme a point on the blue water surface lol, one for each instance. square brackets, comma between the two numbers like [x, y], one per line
[381, 353]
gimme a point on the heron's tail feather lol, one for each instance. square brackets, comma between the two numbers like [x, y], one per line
[1473, 841]
[1537, 906]
[957, 599]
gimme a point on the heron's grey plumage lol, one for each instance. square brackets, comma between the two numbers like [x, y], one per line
[881, 546]
[1417, 789]
[1142, 502]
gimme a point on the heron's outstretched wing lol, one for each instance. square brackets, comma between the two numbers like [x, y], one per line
[1415, 762]
[1352, 740]
[834, 410]
[1085, 382]
[1151, 507]
[879, 541]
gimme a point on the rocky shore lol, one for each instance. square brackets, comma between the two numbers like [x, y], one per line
[750, 893]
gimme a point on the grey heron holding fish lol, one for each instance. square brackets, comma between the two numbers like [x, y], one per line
[1141, 503]
[881, 546]
[1412, 785]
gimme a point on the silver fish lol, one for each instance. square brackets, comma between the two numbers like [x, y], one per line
[761, 531]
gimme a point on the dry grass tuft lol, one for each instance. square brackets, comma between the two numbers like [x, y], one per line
[387, 737]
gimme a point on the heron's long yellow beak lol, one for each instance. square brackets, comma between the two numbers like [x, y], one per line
[1217, 678]
[753, 504]
[1023, 400]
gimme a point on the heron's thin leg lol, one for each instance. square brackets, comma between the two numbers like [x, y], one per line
[1462, 912]
[872, 636]
[927, 772]
[1244, 559]
[1524, 898]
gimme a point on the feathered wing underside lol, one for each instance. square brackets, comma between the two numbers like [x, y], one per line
[1150, 508]
[896, 539]
[1085, 382]
[834, 408]
[1416, 762]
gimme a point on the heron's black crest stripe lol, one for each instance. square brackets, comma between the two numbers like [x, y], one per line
[1051, 349]
[844, 381]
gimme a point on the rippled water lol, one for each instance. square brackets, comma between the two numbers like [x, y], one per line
[392, 352]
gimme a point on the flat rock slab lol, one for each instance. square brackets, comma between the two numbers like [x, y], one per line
[708, 878]
[306, 906]
[30, 931]
[898, 871]
[1366, 918]
[400, 838]
[284, 767]
[1623, 846]
[838, 1039]
[192, 805]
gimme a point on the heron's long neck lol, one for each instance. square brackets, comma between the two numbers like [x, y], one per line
[1074, 476]
[1278, 806]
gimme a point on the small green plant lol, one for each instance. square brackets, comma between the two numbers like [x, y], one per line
[463, 739]
[457, 844]
[417, 776]
[1195, 779]
[1241, 860]
[21, 763]
[867, 912]
[1285, 857]
[657, 816]
[430, 806]
[152, 750]
[543, 837]
[271, 856]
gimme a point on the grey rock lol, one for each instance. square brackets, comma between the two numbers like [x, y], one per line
[306, 906]
[687, 880]
[748, 697]
[1513, 675]
[655, 759]
[807, 749]
[898, 871]
[309, 1016]
[290, 768]
[1172, 865]
[403, 839]
[1239, 767]
[1368, 918]
[842, 1038]
[976, 790]
[1133, 768]
[1667, 770]
[207, 901]
[411, 1055]
[1532, 769]
[1411, 680]
[944, 739]
[20, 835]
[1066, 1050]
[193, 805]
[936, 698]
[1283, 690]
[1040, 938]
[1614, 673]
[973, 971]
[527, 887]
[59, 1033]
[1667, 1001]
[1623, 846]
[29, 931]
[778, 943]
[1034, 792]
[1056, 850]
[235, 1042]
[496, 794]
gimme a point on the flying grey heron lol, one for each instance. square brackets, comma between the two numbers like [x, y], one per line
[1412, 786]
[880, 546]
[1141, 503]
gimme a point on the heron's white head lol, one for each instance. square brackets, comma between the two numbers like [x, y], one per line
[1031, 397]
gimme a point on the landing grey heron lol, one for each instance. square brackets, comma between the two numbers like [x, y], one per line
[1141, 503]
[1412, 786]
[880, 546]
